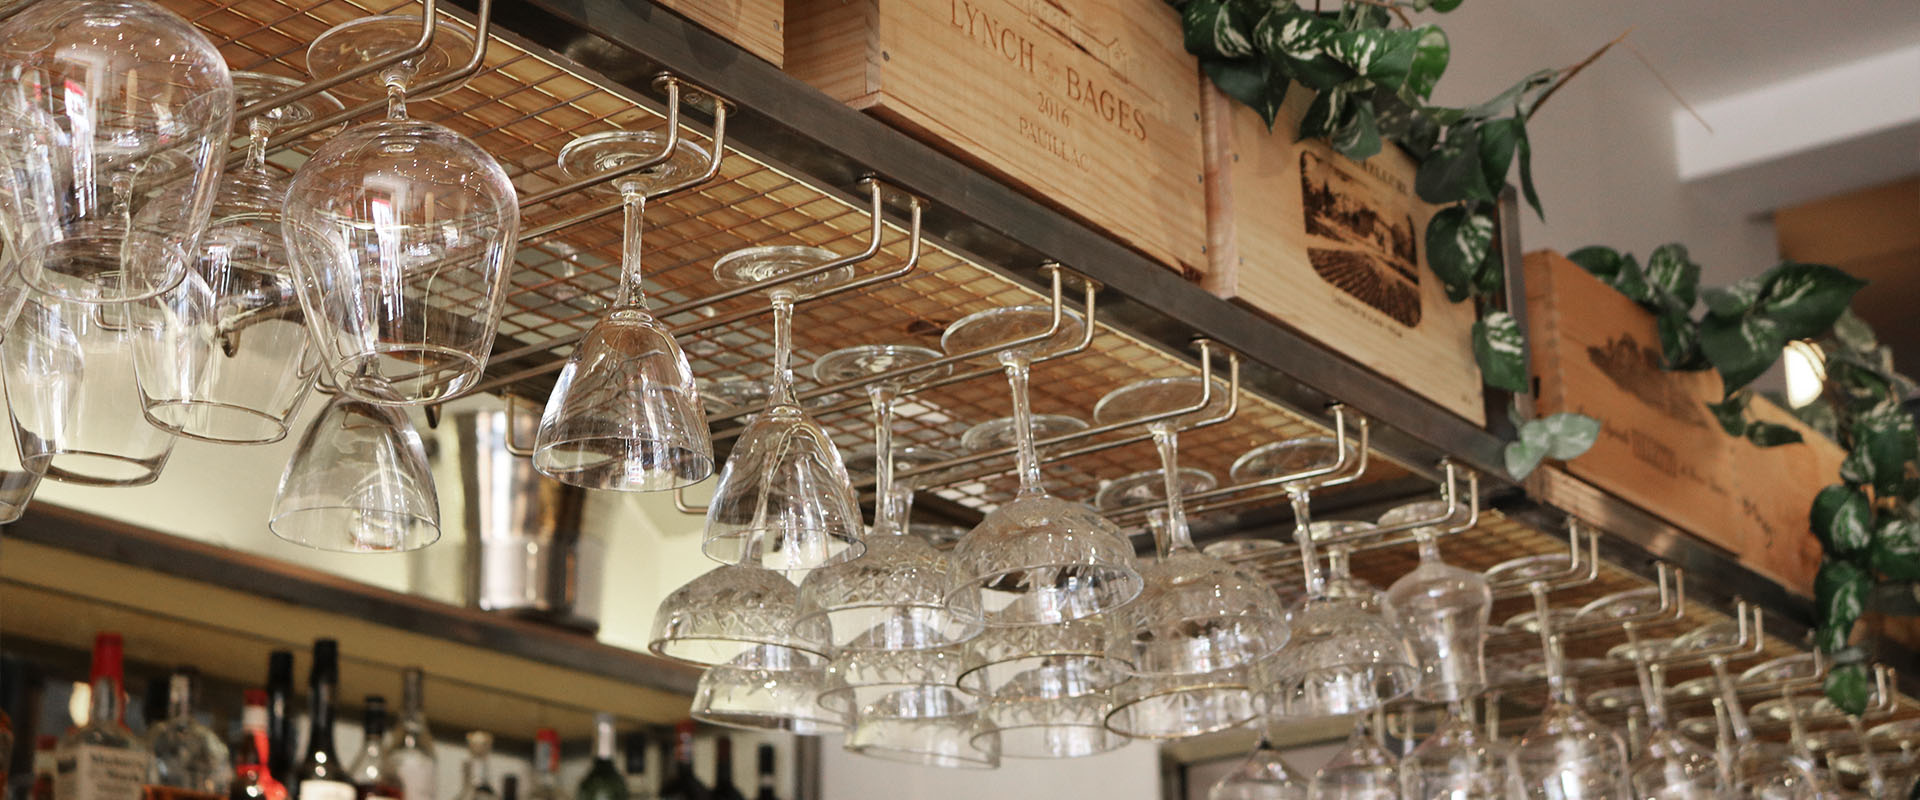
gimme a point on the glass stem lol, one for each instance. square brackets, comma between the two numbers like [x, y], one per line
[1429, 544]
[1557, 688]
[258, 132]
[1736, 716]
[1653, 692]
[1029, 458]
[631, 293]
[783, 350]
[396, 101]
[881, 395]
[1303, 533]
[1167, 441]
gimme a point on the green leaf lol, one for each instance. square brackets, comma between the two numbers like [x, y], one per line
[1453, 172]
[1498, 139]
[1619, 270]
[1323, 114]
[1842, 519]
[1804, 300]
[1680, 344]
[1731, 413]
[1377, 54]
[1490, 277]
[1358, 138]
[1457, 241]
[1523, 457]
[1401, 122]
[1524, 152]
[1885, 433]
[1735, 300]
[1216, 29]
[1740, 349]
[1896, 547]
[1856, 469]
[1767, 434]
[1249, 81]
[1569, 434]
[1854, 333]
[1673, 277]
[1849, 688]
[1818, 416]
[1297, 40]
[1501, 351]
[1840, 594]
[1444, 6]
[1510, 100]
[1431, 51]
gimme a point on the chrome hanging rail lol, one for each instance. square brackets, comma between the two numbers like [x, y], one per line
[429, 28]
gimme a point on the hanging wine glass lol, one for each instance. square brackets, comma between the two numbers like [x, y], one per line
[1036, 559]
[1197, 617]
[1264, 775]
[114, 124]
[1806, 778]
[999, 655]
[893, 598]
[1345, 657]
[742, 615]
[1566, 755]
[996, 434]
[358, 482]
[1443, 609]
[784, 490]
[1668, 766]
[624, 414]
[1341, 583]
[228, 358]
[1149, 486]
[767, 688]
[1454, 763]
[400, 231]
[1362, 769]
[76, 414]
[1055, 710]
[17, 482]
[910, 728]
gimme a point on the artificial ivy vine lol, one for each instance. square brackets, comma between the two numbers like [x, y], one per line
[1868, 523]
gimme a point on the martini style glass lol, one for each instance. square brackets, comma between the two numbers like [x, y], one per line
[228, 358]
[1262, 776]
[1566, 755]
[1443, 609]
[784, 501]
[1037, 559]
[1668, 766]
[1454, 763]
[1362, 769]
[400, 231]
[1345, 657]
[624, 414]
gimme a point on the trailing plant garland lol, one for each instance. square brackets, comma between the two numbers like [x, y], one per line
[1372, 83]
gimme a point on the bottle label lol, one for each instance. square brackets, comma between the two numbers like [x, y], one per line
[416, 772]
[93, 772]
[316, 789]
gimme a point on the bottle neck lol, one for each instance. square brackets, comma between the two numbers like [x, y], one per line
[179, 698]
[478, 775]
[683, 751]
[723, 763]
[412, 694]
[108, 701]
[320, 722]
[603, 741]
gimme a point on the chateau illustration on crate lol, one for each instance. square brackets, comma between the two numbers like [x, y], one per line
[1355, 245]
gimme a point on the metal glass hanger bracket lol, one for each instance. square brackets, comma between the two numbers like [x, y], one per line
[1750, 643]
[715, 156]
[1206, 399]
[1583, 567]
[1344, 469]
[429, 27]
[1286, 559]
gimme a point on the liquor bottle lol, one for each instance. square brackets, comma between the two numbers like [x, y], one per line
[546, 766]
[765, 769]
[6, 749]
[510, 787]
[321, 775]
[680, 783]
[42, 788]
[188, 757]
[410, 743]
[723, 786]
[372, 772]
[478, 783]
[603, 781]
[251, 749]
[101, 760]
[249, 783]
[280, 716]
[639, 783]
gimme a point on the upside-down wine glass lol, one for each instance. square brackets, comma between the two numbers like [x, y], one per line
[227, 357]
[358, 482]
[767, 688]
[900, 728]
[1036, 559]
[1751, 765]
[1567, 755]
[114, 123]
[1363, 769]
[1193, 636]
[625, 414]
[1454, 763]
[400, 231]
[1443, 609]
[1055, 710]
[1668, 767]
[1345, 657]
[1264, 775]
[783, 501]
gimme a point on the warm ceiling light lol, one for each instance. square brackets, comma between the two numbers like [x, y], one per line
[1806, 369]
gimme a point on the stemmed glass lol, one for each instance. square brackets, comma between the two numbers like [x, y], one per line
[1037, 559]
[997, 433]
[1454, 763]
[400, 231]
[1668, 766]
[1264, 775]
[114, 123]
[1055, 710]
[1443, 609]
[742, 615]
[905, 727]
[769, 688]
[76, 414]
[1149, 486]
[1199, 623]
[227, 357]
[1566, 755]
[783, 500]
[625, 414]
[1362, 769]
[1345, 657]
[358, 482]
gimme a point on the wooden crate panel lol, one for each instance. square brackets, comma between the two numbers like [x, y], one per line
[1333, 248]
[1091, 106]
[1775, 488]
[755, 25]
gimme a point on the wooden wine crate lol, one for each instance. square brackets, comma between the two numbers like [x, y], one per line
[1090, 106]
[755, 25]
[1597, 353]
[1334, 249]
